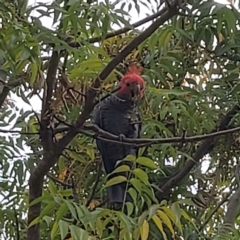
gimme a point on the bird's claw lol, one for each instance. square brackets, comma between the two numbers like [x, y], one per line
[135, 122]
[121, 137]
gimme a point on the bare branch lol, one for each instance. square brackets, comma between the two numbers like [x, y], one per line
[142, 142]
[98, 133]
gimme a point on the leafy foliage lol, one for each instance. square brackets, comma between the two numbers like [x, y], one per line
[191, 67]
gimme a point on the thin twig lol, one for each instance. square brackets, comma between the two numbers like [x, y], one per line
[59, 181]
[214, 211]
[100, 204]
[107, 95]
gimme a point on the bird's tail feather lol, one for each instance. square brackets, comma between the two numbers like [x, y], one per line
[116, 194]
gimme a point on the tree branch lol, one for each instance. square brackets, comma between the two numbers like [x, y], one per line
[225, 198]
[233, 206]
[120, 31]
[232, 211]
[50, 82]
[49, 153]
[204, 149]
[98, 133]
[59, 181]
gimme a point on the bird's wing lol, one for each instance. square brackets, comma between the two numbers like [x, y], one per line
[104, 147]
[136, 118]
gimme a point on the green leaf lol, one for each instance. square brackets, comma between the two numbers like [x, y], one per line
[35, 221]
[63, 227]
[25, 54]
[122, 168]
[3, 7]
[184, 33]
[141, 175]
[152, 210]
[130, 158]
[137, 184]
[177, 212]
[167, 39]
[115, 180]
[144, 230]
[48, 220]
[61, 211]
[166, 221]
[146, 162]
[72, 2]
[66, 192]
[43, 198]
[187, 217]
[48, 209]
[34, 71]
[124, 219]
[170, 213]
[54, 230]
[52, 187]
[105, 26]
[78, 233]
[133, 193]
[130, 208]
[158, 223]
[72, 209]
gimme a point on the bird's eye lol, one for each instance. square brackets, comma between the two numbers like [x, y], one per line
[128, 84]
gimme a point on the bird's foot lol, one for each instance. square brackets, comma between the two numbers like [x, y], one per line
[115, 206]
[121, 137]
[135, 122]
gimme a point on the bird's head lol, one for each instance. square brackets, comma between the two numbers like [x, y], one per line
[132, 85]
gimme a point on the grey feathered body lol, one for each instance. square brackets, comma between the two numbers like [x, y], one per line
[117, 117]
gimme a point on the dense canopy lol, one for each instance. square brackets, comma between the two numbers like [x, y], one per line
[60, 58]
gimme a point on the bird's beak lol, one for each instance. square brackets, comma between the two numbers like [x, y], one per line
[136, 90]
